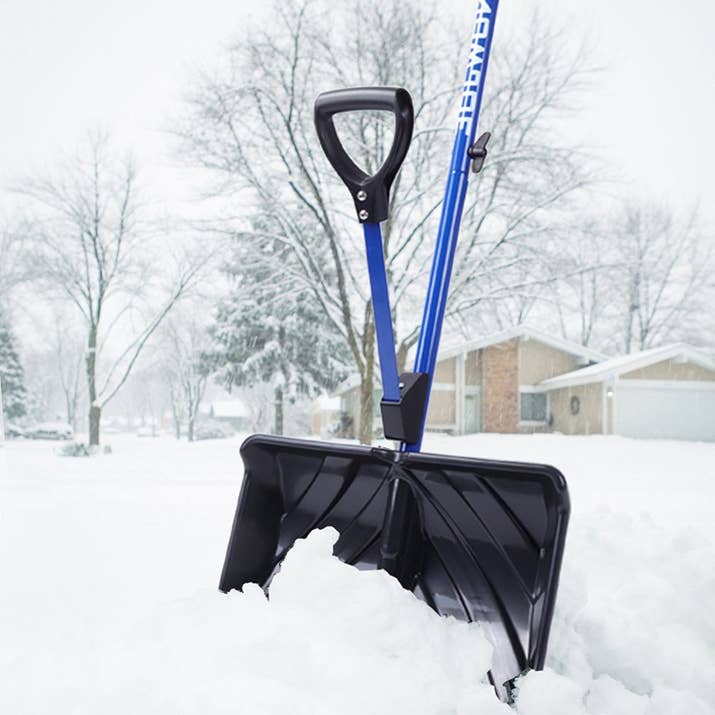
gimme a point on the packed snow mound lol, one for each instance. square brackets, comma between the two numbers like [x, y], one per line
[331, 639]
[632, 634]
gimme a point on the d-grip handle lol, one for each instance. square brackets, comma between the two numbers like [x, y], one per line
[371, 194]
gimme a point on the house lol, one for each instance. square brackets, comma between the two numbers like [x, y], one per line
[232, 411]
[666, 392]
[523, 380]
[324, 414]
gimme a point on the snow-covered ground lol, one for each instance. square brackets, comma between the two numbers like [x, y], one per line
[108, 599]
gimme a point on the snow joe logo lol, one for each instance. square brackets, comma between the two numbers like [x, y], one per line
[475, 65]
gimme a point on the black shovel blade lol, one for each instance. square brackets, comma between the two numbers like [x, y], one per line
[483, 540]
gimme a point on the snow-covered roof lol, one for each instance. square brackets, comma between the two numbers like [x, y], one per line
[325, 403]
[525, 332]
[522, 332]
[328, 403]
[627, 363]
[228, 408]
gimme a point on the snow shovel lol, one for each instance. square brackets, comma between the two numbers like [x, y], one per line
[476, 539]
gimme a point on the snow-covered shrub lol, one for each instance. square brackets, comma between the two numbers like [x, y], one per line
[74, 449]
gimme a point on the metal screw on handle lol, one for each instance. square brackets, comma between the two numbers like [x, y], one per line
[370, 193]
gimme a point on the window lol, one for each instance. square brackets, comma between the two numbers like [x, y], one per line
[533, 407]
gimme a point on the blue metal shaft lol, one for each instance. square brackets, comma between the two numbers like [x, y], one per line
[381, 311]
[436, 301]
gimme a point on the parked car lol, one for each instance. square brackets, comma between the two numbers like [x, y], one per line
[51, 430]
[148, 431]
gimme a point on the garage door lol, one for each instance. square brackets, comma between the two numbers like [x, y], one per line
[665, 410]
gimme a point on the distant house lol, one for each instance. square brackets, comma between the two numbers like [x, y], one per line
[232, 411]
[324, 415]
[522, 380]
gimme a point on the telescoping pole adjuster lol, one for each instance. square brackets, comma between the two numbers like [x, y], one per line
[402, 420]
[478, 152]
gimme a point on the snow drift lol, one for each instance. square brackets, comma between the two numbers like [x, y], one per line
[108, 601]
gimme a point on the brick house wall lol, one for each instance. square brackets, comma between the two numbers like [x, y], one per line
[539, 362]
[500, 387]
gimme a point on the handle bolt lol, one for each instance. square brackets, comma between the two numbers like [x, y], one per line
[370, 193]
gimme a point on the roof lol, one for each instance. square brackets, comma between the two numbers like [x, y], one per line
[523, 332]
[627, 363]
[228, 408]
[328, 403]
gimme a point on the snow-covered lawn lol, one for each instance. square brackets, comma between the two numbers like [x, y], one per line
[108, 599]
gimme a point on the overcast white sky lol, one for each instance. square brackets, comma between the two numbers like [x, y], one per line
[68, 66]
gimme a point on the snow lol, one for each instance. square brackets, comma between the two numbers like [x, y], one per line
[109, 602]
[328, 403]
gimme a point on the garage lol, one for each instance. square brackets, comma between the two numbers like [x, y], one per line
[659, 393]
[665, 409]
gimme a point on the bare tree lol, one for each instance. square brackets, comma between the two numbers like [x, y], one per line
[91, 249]
[583, 263]
[665, 266]
[14, 268]
[251, 124]
[184, 343]
[70, 359]
[43, 401]
[634, 277]
[148, 396]
[178, 413]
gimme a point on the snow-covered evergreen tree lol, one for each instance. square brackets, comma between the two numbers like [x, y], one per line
[12, 375]
[269, 331]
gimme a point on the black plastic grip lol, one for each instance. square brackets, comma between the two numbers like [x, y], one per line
[371, 194]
